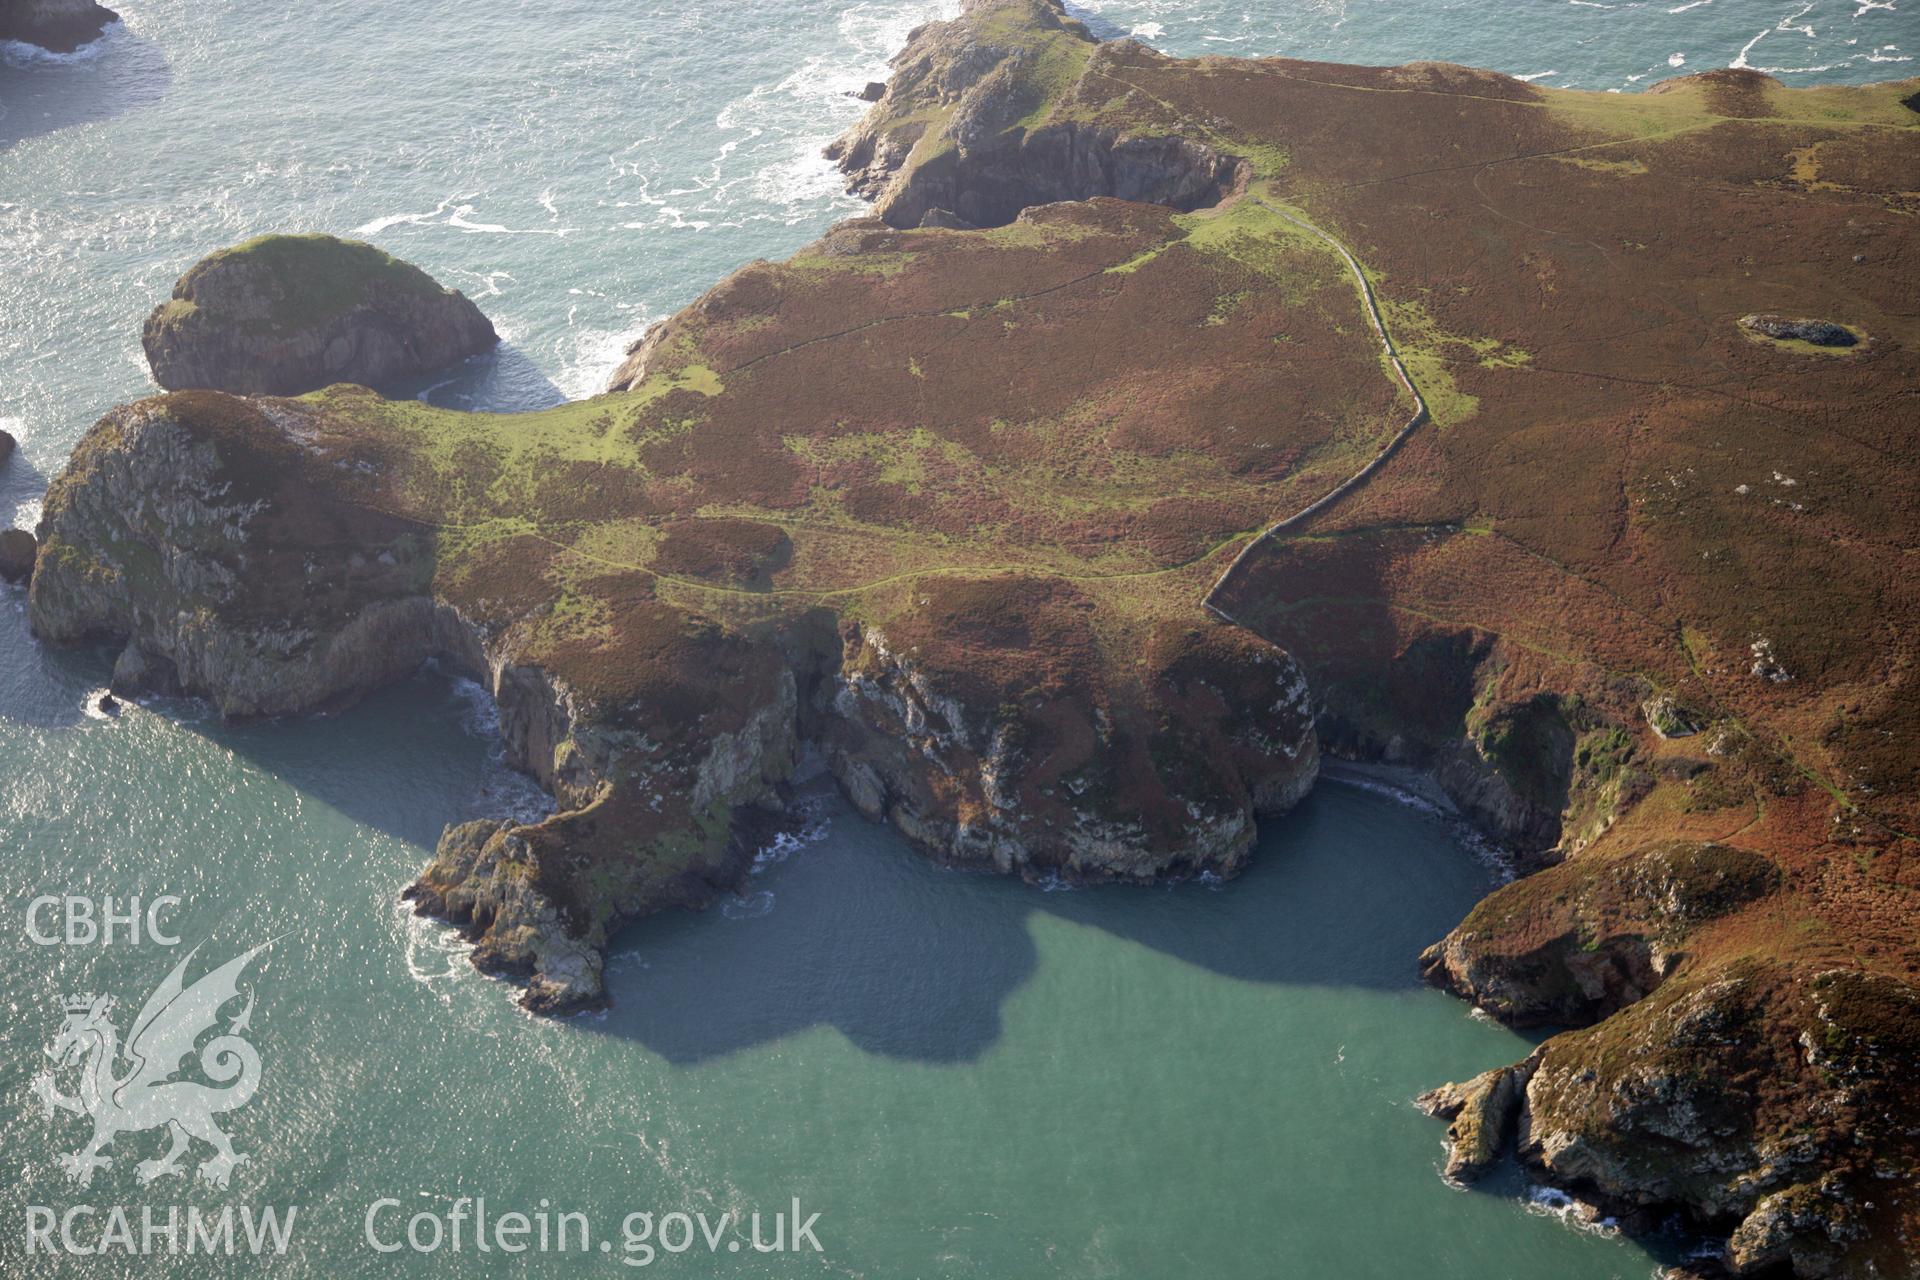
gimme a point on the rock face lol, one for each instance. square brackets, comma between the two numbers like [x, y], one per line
[1743, 1090]
[17, 552]
[181, 527]
[1821, 333]
[949, 142]
[282, 315]
[57, 25]
[928, 730]
[1483, 1113]
[1751, 1095]
[1575, 942]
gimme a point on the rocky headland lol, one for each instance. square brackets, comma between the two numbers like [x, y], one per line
[940, 498]
[285, 314]
[60, 26]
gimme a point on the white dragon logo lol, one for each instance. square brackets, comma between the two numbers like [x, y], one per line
[144, 1095]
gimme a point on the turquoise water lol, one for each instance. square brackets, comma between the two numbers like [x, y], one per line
[962, 1076]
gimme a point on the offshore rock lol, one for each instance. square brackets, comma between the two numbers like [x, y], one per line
[281, 315]
[60, 26]
[17, 550]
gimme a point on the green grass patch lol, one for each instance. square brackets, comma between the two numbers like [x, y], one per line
[309, 279]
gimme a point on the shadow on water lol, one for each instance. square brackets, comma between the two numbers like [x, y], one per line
[503, 380]
[389, 763]
[41, 92]
[918, 962]
[857, 932]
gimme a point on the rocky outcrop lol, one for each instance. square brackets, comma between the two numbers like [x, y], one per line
[988, 185]
[1744, 1093]
[1483, 1114]
[1577, 941]
[632, 370]
[1820, 333]
[926, 730]
[1752, 1098]
[17, 553]
[7, 445]
[282, 315]
[195, 530]
[955, 140]
[646, 820]
[60, 26]
[184, 528]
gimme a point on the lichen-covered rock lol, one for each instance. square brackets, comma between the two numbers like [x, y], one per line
[17, 554]
[281, 315]
[1482, 1112]
[57, 25]
[1805, 1227]
[1750, 1095]
[185, 528]
[1668, 718]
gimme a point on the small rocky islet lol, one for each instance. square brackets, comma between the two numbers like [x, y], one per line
[916, 501]
[285, 314]
[58, 26]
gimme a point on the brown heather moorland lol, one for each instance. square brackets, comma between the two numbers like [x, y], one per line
[943, 495]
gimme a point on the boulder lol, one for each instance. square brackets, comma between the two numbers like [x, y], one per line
[7, 445]
[283, 315]
[17, 553]
[60, 26]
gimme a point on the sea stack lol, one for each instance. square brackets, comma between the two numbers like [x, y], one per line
[17, 553]
[283, 315]
[60, 26]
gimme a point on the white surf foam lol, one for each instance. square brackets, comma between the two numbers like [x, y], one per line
[749, 906]
[22, 54]
[1551, 1202]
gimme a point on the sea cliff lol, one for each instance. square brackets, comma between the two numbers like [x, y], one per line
[941, 498]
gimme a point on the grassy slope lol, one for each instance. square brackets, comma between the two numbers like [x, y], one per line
[311, 278]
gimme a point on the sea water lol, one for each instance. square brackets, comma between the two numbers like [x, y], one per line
[962, 1076]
